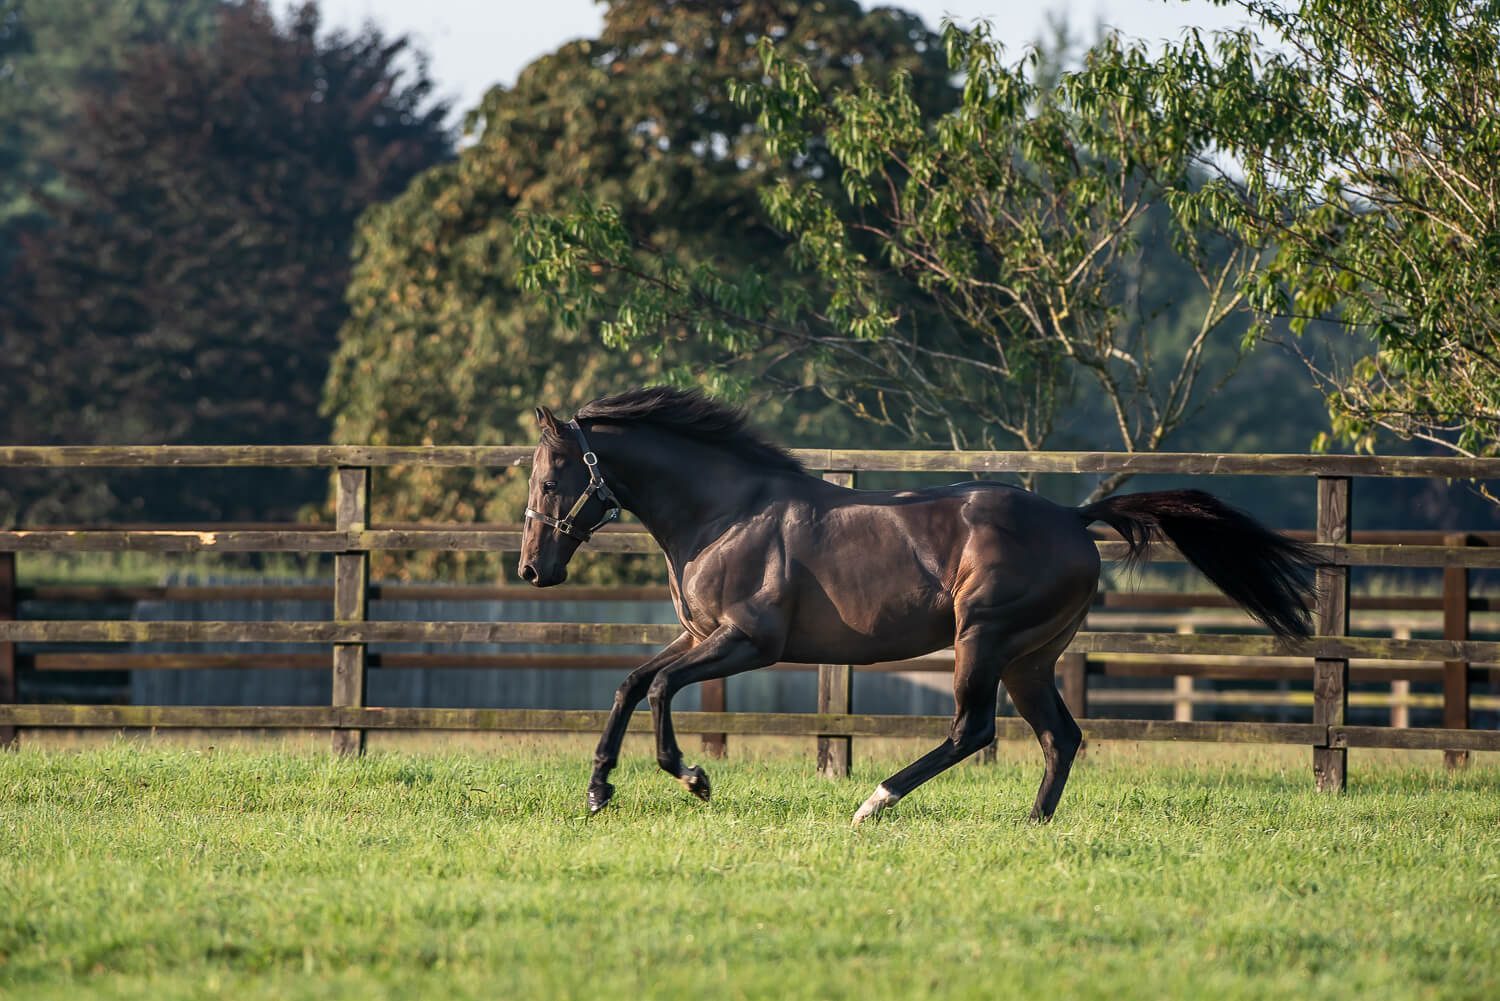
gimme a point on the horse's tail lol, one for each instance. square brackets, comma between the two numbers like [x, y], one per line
[1264, 572]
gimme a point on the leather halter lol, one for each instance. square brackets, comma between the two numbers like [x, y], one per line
[567, 524]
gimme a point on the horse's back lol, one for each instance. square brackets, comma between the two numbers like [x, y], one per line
[1018, 547]
[876, 575]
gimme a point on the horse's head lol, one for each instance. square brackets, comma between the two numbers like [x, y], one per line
[568, 501]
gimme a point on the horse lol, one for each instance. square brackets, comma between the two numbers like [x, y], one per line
[767, 563]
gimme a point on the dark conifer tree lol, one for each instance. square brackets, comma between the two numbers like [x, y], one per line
[189, 283]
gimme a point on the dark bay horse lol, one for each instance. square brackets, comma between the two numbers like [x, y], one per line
[768, 563]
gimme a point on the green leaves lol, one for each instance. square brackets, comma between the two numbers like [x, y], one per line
[1371, 159]
[966, 269]
[598, 232]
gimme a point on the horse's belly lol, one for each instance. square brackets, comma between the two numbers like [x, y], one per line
[855, 649]
[875, 600]
[890, 631]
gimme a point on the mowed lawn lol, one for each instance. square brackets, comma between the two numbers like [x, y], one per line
[142, 871]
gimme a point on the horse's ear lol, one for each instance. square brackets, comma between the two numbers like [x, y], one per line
[545, 419]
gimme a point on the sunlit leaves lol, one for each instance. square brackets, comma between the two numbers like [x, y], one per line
[971, 269]
[599, 224]
[1370, 150]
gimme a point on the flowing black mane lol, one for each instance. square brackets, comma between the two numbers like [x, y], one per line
[694, 415]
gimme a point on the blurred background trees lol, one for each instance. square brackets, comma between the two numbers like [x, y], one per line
[221, 226]
[975, 272]
[180, 240]
[1096, 245]
[52, 53]
[442, 346]
[1365, 149]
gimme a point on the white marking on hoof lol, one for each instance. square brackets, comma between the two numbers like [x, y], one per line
[879, 800]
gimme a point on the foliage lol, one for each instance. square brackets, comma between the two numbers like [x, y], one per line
[442, 347]
[188, 283]
[143, 872]
[50, 52]
[1030, 218]
[1366, 144]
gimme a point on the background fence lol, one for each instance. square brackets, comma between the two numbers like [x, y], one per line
[1123, 638]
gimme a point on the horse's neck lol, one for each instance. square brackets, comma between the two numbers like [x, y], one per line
[676, 487]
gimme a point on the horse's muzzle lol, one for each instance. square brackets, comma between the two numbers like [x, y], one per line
[531, 575]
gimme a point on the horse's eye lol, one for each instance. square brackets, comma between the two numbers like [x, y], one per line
[549, 487]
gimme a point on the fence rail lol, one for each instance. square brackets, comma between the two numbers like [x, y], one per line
[1326, 658]
[735, 723]
[619, 541]
[820, 459]
[620, 633]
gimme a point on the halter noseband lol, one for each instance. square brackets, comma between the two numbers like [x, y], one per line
[597, 487]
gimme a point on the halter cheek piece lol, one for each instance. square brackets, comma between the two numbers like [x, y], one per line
[567, 524]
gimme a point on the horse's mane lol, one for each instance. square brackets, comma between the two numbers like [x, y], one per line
[692, 414]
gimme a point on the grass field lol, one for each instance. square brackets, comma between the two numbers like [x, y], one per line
[142, 871]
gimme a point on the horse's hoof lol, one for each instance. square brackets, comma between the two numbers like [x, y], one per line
[695, 781]
[879, 800]
[599, 796]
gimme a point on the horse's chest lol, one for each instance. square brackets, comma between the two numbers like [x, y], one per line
[706, 588]
[697, 616]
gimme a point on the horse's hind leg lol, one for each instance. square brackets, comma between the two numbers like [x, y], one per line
[1030, 682]
[978, 657]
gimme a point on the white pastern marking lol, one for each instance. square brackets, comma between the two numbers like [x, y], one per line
[879, 800]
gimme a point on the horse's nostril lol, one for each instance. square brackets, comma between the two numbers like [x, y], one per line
[528, 574]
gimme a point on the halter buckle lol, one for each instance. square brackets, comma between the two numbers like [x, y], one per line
[596, 488]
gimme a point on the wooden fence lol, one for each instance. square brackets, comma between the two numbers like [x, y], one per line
[354, 536]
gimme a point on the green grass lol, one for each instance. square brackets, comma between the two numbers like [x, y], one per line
[142, 872]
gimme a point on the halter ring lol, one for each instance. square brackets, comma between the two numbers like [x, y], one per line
[597, 487]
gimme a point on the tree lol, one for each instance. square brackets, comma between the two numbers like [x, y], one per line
[1033, 218]
[50, 52]
[442, 346]
[188, 285]
[1366, 147]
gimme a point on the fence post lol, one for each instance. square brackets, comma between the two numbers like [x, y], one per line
[1182, 684]
[1331, 676]
[713, 697]
[1074, 668]
[351, 587]
[835, 693]
[9, 735]
[1401, 689]
[1456, 627]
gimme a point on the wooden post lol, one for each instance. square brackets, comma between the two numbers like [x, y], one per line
[835, 693]
[1074, 668]
[9, 735]
[713, 696]
[1331, 677]
[1401, 689]
[1182, 684]
[1456, 672]
[351, 587]
[1182, 698]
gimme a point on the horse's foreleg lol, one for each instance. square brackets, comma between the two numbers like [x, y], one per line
[627, 697]
[729, 650]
